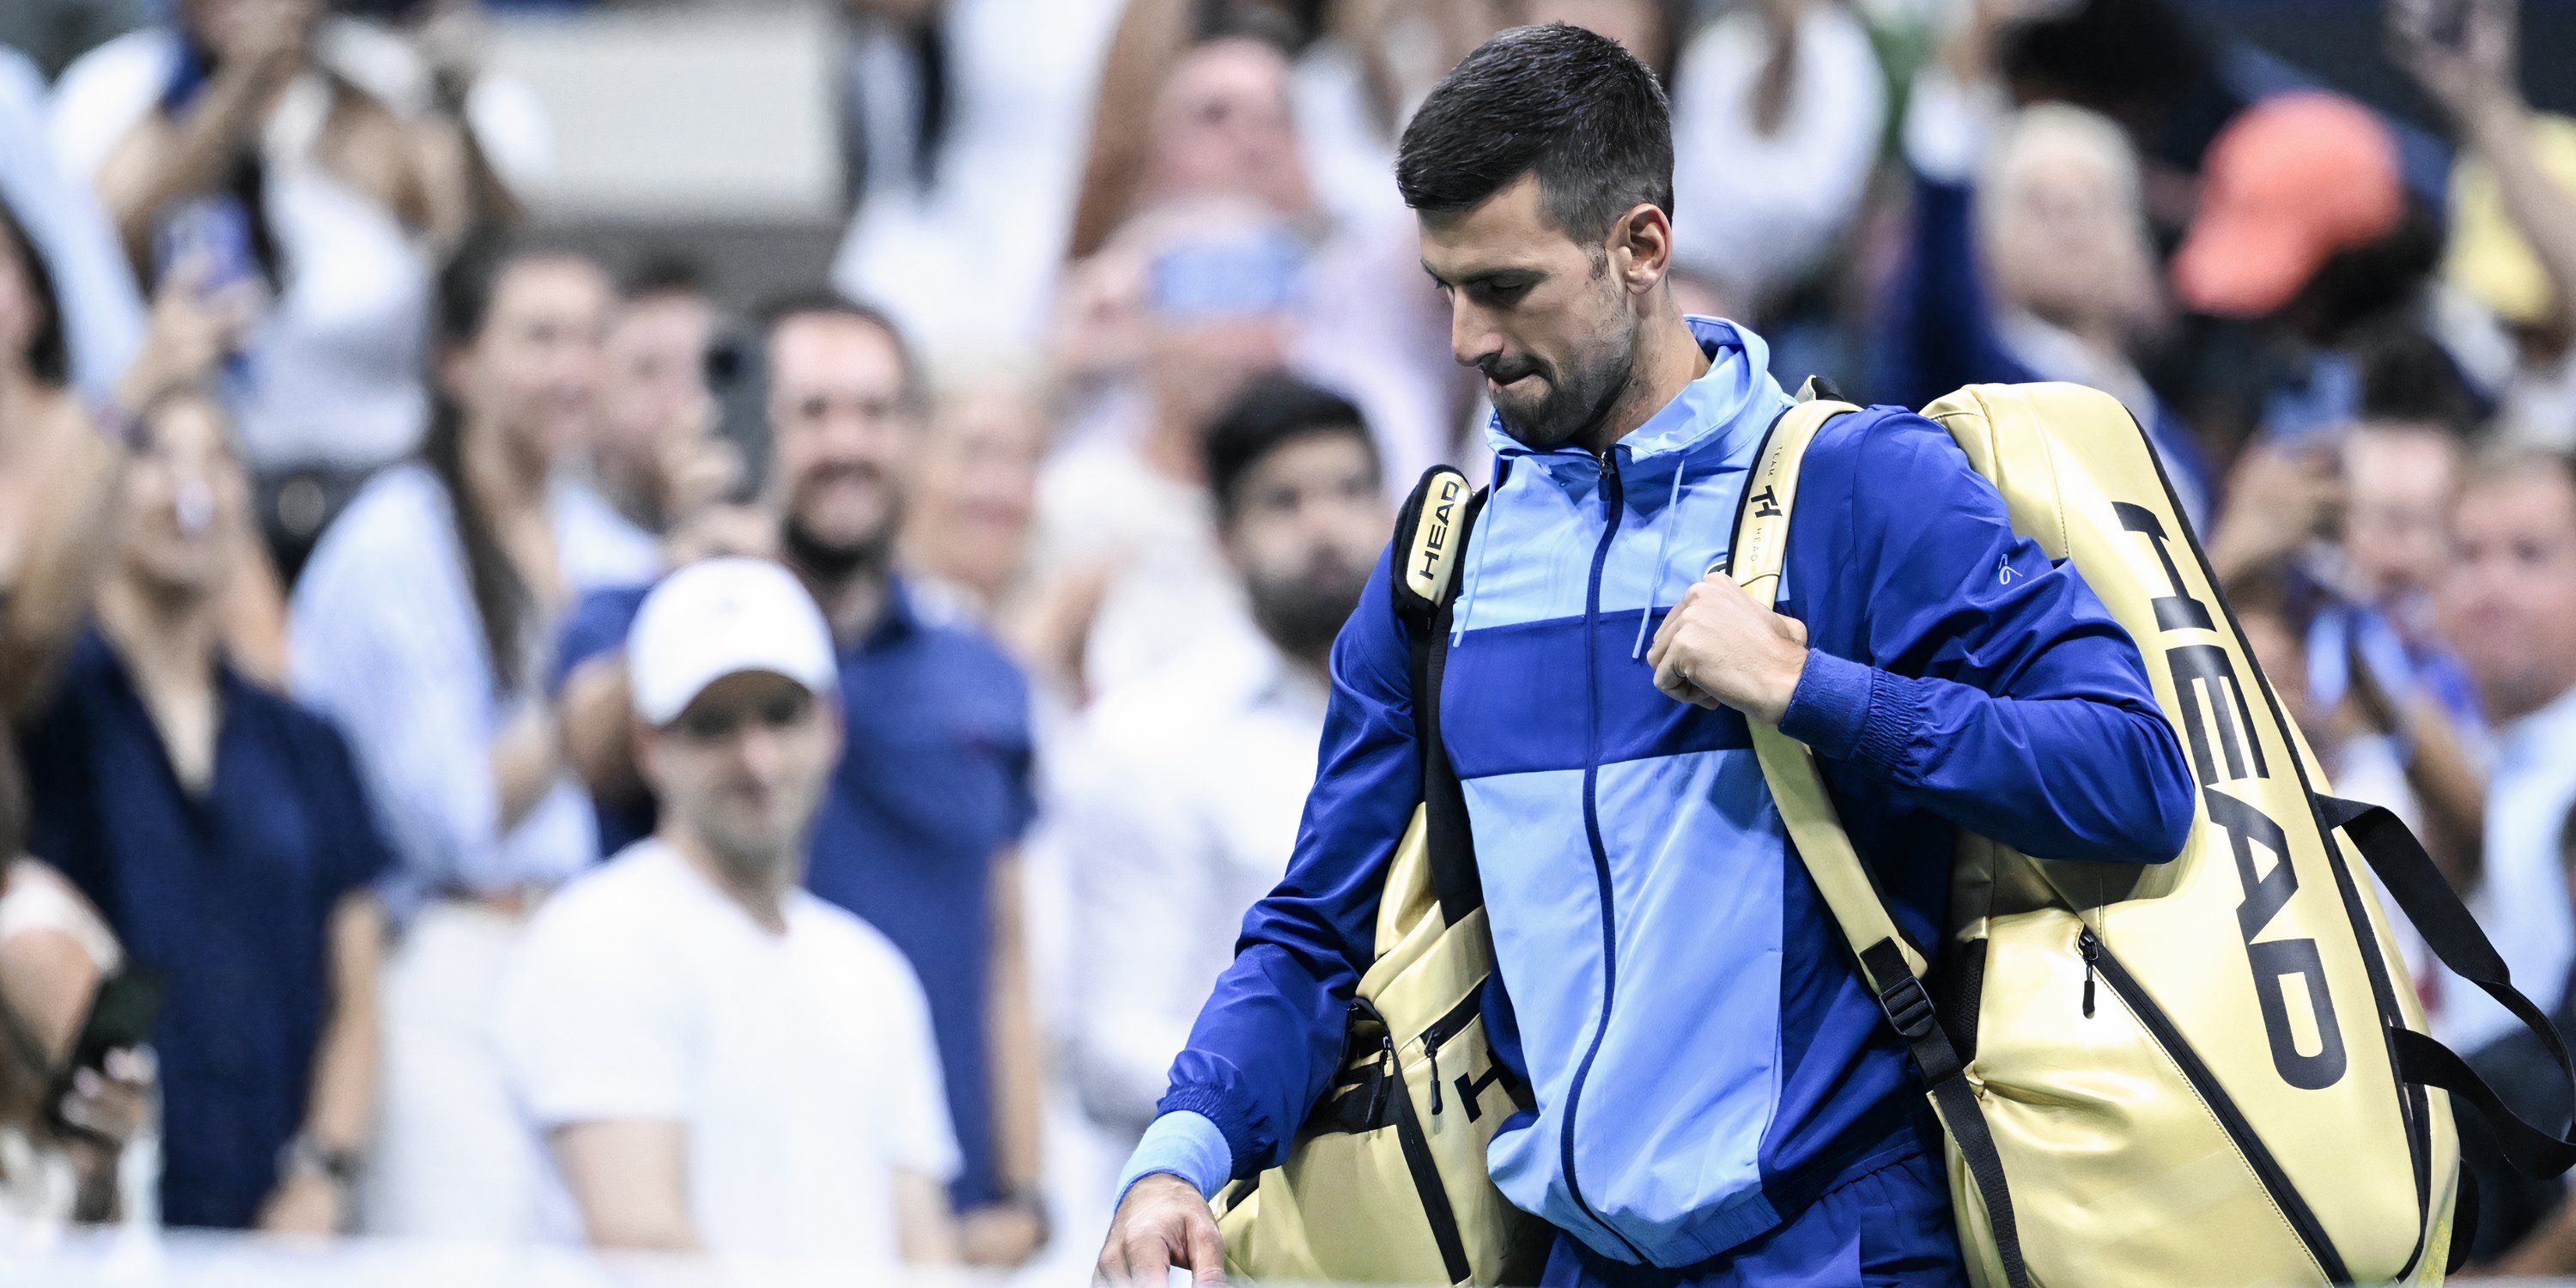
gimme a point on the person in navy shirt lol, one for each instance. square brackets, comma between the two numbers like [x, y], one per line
[918, 834]
[223, 831]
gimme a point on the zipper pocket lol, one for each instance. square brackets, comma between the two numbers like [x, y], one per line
[1437, 1033]
[1409, 1137]
[2267, 1169]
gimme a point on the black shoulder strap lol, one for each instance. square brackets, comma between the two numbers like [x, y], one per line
[1436, 523]
[2539, 1150]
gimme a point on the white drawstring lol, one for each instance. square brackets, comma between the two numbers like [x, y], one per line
[1672, 520]
[1476, 562]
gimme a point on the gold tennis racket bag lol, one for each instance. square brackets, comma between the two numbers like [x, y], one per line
[2211, 1071]
[1386, 1180]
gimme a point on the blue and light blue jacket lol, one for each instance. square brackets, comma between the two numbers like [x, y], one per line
[1705, 1060]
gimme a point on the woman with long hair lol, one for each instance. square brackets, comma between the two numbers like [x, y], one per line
[423, 625]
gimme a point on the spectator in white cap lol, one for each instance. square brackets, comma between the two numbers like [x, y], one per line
[717, 1060]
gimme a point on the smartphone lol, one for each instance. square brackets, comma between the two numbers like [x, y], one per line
[213, 230]
[122, 1014]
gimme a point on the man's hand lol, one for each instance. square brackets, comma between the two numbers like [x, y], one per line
[304, 1206]
[1718, 647]
[1162, 1223]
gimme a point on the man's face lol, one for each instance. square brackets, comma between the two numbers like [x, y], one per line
[184, 501]
[1534, 310]
[1222, 124]
[2065, 242]
[657, 359]
[2509, 603]
[841, 420]
[1309, 520]
[974, 486]
[536, 367]
[744, 767]
[2398, 486]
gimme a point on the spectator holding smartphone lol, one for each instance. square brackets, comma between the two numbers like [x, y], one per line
[223, 831]
[260, 134]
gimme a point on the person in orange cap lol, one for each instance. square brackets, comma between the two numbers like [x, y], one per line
[2292, 182]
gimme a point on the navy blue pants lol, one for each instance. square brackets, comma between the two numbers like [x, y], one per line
[1885, 1228]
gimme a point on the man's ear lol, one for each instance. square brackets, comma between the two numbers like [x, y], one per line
[647, 742]
[1645, 234]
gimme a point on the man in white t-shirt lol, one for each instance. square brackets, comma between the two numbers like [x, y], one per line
[719, 1061]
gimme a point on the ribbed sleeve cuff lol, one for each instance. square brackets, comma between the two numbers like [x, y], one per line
[1830, 705]
[1845, 710]
[1185, 1144]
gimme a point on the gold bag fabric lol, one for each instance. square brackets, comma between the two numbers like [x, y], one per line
[2230, 1111]
[1386, 1181]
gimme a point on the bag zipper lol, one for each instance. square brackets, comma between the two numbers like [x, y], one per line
[2267, 1170]
[1409, 1137]
[1437, 1033]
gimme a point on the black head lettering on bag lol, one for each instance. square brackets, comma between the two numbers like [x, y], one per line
[2274, 965]
[2276, 961]
[2179, 609]
[1437, 540]
[1469, 1089]
[2266, 893]
[2205, 672]
[1766, 504]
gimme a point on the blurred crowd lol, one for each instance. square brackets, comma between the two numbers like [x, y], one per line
[332, 489]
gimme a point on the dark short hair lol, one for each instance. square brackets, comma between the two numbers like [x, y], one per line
[663, 274]
[1567, 104]
[49, 350]
[832, 304]
[1274, 410]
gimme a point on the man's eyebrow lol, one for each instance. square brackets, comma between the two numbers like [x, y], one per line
[1486, 276]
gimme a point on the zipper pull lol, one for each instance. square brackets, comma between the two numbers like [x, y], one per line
[2091, 948]
[1434, 1053]
[1386, 1075]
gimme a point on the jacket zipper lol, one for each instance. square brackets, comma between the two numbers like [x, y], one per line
[1613, 503]
[1409, 1137]
[2267, 1169]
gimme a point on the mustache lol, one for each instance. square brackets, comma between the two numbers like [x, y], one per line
[843, 471]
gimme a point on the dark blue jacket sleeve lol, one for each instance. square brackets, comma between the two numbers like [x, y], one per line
[1958, 664]
[1270, 1036]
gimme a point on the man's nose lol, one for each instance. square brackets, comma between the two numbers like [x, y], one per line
[1472, 337]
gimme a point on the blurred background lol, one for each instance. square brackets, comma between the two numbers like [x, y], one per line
[362, 360]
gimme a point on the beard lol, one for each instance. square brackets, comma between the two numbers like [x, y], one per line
[1577, 396]
[837, 559]
[1303, 612]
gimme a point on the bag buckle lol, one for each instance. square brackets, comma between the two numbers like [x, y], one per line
[1908, 1006]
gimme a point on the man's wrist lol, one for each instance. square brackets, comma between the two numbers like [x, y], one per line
[1185, 1144]
[308, 1158]
[1791, 672]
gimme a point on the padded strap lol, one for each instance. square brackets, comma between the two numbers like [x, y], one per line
[2455, 937]
[1447, 839]
[1891, 963]
[1797, 785]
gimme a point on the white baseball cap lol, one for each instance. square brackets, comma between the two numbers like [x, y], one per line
[720, 617]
